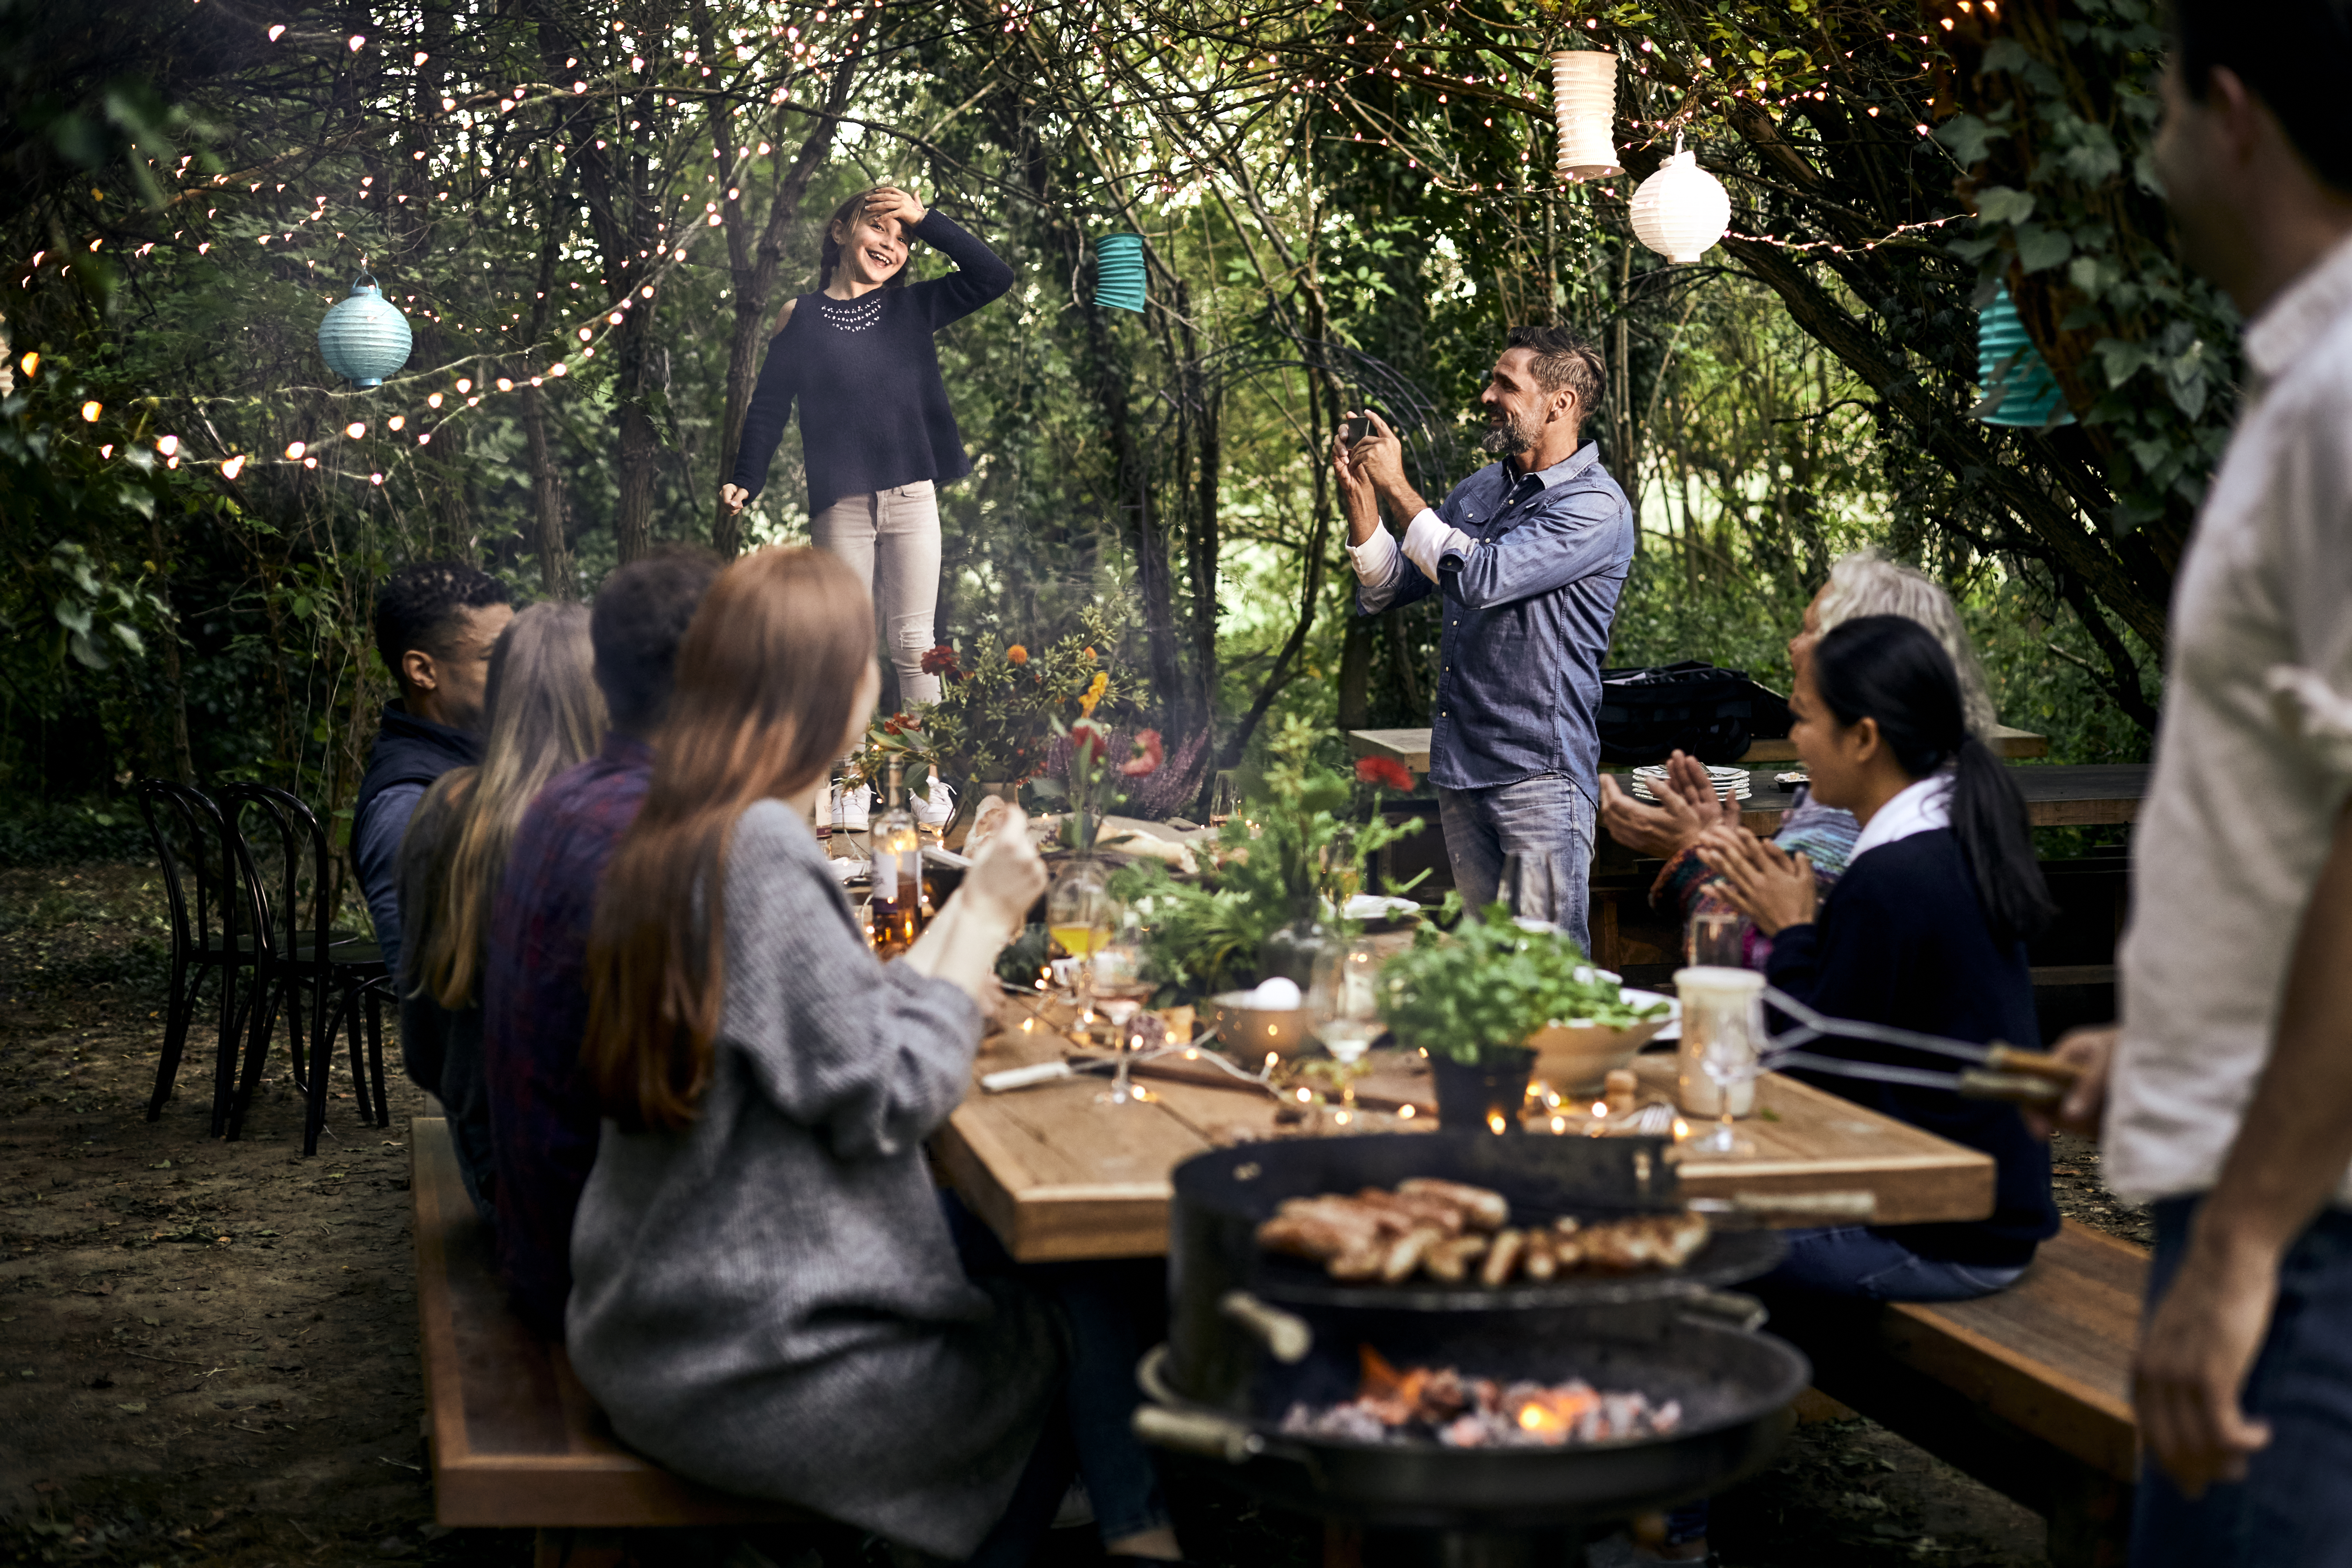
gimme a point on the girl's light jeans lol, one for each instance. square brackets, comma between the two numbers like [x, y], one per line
[891, 539]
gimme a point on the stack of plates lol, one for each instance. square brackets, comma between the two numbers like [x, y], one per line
[1730, 783]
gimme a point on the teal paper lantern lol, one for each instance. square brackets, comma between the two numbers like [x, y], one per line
[2018, 385]
[364, 337]
[1118, 272]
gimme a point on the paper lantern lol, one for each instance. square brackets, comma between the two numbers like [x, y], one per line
[2018, 386]
[1584, 100]
[364, 337]
[1118, 272]
[1682, 209]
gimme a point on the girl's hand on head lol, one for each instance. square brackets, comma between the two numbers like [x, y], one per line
[1770, 887]
[890, 201]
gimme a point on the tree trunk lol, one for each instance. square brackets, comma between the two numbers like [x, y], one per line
[547, 503]
[1356, 672]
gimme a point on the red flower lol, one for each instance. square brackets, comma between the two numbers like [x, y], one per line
[900, 724]
[1385, 772]
[1149, 754]
[1089, 740]
[940, 660]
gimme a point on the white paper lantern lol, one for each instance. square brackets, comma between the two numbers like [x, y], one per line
[1584, 101]
[1682, 209]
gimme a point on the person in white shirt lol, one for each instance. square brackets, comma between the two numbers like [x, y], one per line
[2227, 1089]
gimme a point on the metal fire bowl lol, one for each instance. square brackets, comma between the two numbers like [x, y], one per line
[1222, 1197]
[1734, 1386]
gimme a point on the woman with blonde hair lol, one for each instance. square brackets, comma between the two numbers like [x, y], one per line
[766, 1296]
[543, 713]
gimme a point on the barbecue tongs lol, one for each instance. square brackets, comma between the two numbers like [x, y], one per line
[2000, 1071]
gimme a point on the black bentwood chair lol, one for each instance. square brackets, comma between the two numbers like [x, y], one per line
[212, 931]
[286, 863]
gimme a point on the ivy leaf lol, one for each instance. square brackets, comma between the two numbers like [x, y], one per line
[2038, 249]
[2001, 203]
[1968, 137]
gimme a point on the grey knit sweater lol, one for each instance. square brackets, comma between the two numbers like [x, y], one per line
[770, 1301]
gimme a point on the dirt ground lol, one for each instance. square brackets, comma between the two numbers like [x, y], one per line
[209, 1349]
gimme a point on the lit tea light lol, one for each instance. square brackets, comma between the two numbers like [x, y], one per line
[1192, 1056]
[1027, 1025]
[1342, 1118]
[1682, 1129]
[1600, 1108]
[1560, 1124]
[1404, 1114]
[1495, 1122]
[1306, 1096]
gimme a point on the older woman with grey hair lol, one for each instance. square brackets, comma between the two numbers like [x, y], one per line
[1862, 584]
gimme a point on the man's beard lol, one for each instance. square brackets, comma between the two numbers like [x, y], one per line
[1506, 438]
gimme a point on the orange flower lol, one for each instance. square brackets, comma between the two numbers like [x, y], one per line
[1094, 692]
[1087, 654]
[1016, 654]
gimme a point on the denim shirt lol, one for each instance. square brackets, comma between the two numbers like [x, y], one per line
[1528, 609]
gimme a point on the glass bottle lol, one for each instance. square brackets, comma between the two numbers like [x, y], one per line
[897, 869]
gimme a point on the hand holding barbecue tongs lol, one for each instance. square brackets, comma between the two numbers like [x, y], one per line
[2000, 1071]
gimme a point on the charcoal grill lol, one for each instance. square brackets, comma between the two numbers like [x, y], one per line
[1252, 1333]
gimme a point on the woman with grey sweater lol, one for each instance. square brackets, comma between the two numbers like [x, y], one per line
[766, 1296]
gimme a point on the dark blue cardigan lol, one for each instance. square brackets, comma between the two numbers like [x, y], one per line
[874, 413]
[1902, 940]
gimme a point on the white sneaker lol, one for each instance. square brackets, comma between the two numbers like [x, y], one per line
[857, 808]
[936, 806]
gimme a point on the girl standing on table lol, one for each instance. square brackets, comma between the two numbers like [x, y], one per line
[1925, 930]
[877, 433]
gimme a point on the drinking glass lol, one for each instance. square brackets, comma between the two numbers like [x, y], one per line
[1119, 992]
[1224, 800]
[1530, 887]
[1715, 938]
[1343, 1008]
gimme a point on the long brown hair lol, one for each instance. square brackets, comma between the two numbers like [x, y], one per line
[769, 675]
[543, 713]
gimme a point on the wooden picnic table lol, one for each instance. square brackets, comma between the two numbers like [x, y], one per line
[1411, 747]
[1059, 1176]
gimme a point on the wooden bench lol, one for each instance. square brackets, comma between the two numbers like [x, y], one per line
[512, 1439]
[2028, 1391]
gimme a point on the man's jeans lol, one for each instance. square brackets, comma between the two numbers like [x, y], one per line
[1852, 1260]
[1545, 819]
[2294, 1509]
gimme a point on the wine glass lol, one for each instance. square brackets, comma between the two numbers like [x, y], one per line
[1715, 938]
[1343, 1009]
[1116, 966]
[1728, 1056]
[1078, 914]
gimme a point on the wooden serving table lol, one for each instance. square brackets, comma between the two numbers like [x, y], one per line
[1059, 1176]
[1411, 747]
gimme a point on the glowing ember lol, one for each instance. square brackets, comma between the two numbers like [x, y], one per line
[1422, 1404]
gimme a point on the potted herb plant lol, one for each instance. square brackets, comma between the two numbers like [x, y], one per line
[1471, 999]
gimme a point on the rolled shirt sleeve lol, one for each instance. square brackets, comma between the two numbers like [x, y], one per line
[1429, 540]
[1377, 564]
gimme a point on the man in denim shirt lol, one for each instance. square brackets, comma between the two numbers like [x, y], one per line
[1528, 555]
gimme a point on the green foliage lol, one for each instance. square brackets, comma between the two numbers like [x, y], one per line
[1488, 985]
[1298, 848]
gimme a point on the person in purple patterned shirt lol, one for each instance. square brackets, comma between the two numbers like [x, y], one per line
[544, 1119]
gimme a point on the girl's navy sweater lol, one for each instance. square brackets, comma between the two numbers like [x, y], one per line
[874, 413]
[1903, 940]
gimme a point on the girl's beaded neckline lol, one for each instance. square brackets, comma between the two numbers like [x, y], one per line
[850, 315]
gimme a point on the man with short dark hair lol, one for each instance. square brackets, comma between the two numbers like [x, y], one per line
[1528, 555]
[544, 1119]
[2229, 1104]
[435, 623]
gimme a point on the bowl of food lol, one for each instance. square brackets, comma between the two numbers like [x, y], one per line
[1574, 1056]
[1251, 1023]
